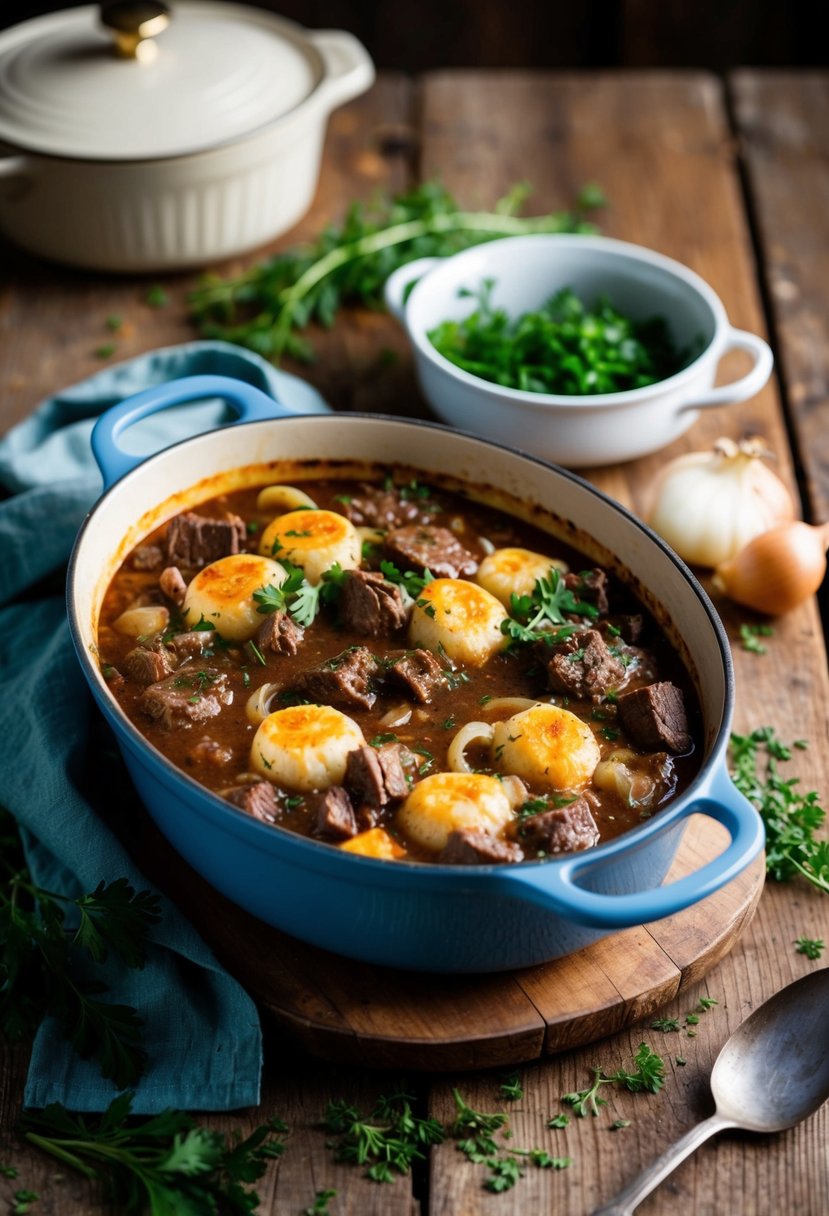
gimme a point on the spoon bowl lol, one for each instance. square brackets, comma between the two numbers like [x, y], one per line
[772, 1073]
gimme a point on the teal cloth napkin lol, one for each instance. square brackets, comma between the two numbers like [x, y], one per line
[201, 1029]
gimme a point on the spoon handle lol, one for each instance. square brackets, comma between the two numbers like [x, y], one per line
[633, 1194]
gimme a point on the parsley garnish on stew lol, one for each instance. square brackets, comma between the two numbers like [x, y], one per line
[299, 597]
[550, 602]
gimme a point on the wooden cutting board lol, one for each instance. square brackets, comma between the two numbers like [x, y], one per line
[358, 1013]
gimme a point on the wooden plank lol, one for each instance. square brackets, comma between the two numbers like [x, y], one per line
[783, 121]
[661, 147]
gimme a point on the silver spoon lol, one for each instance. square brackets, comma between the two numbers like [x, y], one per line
[772, 1073]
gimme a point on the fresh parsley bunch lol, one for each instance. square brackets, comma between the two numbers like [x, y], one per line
[44, 963]
[165, 1165]
[266, 307]
[563, 347]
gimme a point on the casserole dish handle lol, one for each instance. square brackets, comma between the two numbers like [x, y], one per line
[401, 281]
[250, 403]
[556, 886]
[348, 68]
[747, 385]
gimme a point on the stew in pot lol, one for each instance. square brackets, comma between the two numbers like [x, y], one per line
[399, 671]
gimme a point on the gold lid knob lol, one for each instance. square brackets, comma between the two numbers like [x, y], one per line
[133, 23]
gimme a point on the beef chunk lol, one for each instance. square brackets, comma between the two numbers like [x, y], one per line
[172, 583]
[343, 681]
[334, 813]
[370, 605]
[279, 633]
[192, 644]
[374, 776]
[257, 799]
[566, 829]
[472, 846]
[194, 541]
[147, 557]
[425, 547]
[591, 586]
[419, 671]
[186, 696]
[654, 717]
[147, 666]
[379, 507]
[207, 752]
[583, 666]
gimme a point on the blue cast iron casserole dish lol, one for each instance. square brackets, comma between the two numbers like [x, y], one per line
[409, 914]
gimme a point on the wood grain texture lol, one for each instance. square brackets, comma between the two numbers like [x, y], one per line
[784, 133]
[661, 146]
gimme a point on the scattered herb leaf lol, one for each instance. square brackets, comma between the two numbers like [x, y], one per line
[812, 947]
[750, 635]
[511, 1088]
[387, 1141]
[791, 818]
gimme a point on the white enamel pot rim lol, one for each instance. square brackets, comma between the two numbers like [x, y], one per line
[424, 446]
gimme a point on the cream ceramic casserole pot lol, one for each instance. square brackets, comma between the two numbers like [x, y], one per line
[164, 139]
[404, 913]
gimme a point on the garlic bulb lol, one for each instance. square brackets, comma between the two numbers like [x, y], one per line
[709, 505]
[778, 569]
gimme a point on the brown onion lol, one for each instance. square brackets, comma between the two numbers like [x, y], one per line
[777, 570]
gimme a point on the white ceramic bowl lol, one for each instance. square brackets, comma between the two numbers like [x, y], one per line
[574, 431]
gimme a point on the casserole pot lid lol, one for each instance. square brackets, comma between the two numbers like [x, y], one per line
[216, 73]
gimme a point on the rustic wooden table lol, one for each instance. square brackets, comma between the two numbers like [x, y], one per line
[732, 179]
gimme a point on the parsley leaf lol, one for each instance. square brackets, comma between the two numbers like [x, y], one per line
[165, 1163]
[648, 1077]
[511, 1088]
[810, 946]
[791, 818]
[39, 962]
[549, 604]
[299, 597]
[750, 635]
[387, 1141]
[565, 346]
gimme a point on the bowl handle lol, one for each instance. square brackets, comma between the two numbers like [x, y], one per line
[747, 385]
[555, 887]
[249, 402]
[348, 67]
[400, 281]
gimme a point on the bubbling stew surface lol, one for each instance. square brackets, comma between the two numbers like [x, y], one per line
[398, 671]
